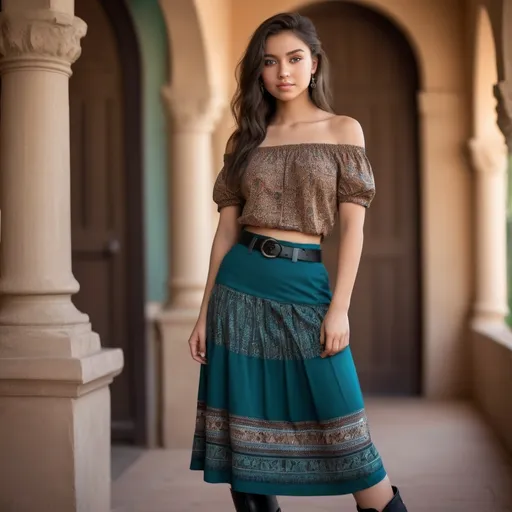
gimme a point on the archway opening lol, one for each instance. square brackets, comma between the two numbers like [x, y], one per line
[106, 200]
[375, 79]
[486, 76]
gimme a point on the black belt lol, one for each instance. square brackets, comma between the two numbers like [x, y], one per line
[271, 248]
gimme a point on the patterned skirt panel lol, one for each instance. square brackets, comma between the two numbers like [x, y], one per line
[273, 417]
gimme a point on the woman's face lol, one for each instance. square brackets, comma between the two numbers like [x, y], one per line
[287, 66]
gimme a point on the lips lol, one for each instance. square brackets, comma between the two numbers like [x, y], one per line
[285, 85]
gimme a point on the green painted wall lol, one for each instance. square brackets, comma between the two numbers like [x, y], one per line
[152, 36]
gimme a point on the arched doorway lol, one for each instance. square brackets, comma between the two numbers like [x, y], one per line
[106, 195]
[375, 80]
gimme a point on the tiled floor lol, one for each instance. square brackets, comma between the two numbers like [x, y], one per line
[122, 458]
[441, 455]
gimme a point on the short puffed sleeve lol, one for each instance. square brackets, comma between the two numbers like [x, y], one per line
[223, 194]
[356, 183]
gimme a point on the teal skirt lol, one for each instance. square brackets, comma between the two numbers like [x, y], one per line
[273, 417]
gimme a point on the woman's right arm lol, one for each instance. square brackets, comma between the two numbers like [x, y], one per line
[226, 236]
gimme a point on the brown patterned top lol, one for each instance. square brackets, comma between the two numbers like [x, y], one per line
[298, 187]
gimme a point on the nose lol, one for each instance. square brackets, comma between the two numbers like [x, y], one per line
[284, 73]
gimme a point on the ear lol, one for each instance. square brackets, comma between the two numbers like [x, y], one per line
[314, 65]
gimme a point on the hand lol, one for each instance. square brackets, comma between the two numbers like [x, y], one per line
[197, 341]
[334, 333]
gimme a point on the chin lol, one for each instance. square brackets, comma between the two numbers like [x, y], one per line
[286, 95]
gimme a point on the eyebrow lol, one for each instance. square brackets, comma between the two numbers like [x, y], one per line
[289, 53]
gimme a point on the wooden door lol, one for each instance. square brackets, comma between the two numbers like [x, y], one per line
[102, 234]
[374, 79]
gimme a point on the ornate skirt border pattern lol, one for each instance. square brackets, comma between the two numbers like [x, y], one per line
[284, 452]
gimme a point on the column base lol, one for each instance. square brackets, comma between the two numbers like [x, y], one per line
[185, 296]
[180, 374]
[55, 430]
[486, 312]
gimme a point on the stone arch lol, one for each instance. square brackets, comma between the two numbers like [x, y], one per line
[194, 51]
[352, 33]
[489, 160]
[497, 10]
[106, 148]
[385, 12]
[186, 48]
[442, 108]
[500, 16]
[485, 76]
[421, 45]
[505, 44]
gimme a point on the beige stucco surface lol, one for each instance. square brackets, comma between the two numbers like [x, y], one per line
[54, 374]
[446, 106]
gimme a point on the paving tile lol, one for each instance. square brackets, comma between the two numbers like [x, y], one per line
[442, 455]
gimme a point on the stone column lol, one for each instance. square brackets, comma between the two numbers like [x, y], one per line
[192, 121]
[490, 162]
[54, 375]
[445, 187]
[489, 159]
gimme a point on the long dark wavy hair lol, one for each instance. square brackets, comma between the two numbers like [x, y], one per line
[252, 106]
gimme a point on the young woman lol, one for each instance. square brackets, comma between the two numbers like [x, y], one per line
[280, 410]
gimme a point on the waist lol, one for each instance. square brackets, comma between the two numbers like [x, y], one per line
[279, 279]
[285, 235]
[277, 248]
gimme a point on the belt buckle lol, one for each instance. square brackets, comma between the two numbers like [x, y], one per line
[273, 244]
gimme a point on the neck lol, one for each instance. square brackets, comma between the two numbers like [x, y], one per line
[295, 111]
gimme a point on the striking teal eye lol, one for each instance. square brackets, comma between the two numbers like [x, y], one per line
[296, 59]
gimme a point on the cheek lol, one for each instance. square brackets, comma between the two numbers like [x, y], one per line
[304, 70]
[267, 76]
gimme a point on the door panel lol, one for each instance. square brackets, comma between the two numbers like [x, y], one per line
[99, 201]
[374, 79]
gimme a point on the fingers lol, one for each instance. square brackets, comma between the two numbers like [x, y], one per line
[334, 344]
[202, 346]
[345, 340]
[329, 342]
[197, 348]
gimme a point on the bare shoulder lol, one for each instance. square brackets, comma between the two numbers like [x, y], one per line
[347, 130]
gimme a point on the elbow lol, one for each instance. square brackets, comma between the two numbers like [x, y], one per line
[229, 228]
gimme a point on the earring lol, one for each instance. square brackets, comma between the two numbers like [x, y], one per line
[262, 88]
[313, 81]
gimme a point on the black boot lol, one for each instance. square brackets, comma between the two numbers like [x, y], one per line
[395, 505]
[245, 502]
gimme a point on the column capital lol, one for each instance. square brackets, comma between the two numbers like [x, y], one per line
[190, 114]
[503, 93]
[488, 156]
[40, 38]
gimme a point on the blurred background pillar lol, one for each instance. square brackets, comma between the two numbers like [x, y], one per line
[192, 122]
[54, 375]
[489, 160]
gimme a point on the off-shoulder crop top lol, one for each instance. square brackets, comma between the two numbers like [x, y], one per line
[298, 187]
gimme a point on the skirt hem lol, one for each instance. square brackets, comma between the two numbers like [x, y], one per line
[335, 489]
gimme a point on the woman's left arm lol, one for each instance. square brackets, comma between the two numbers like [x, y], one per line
[335, 331]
